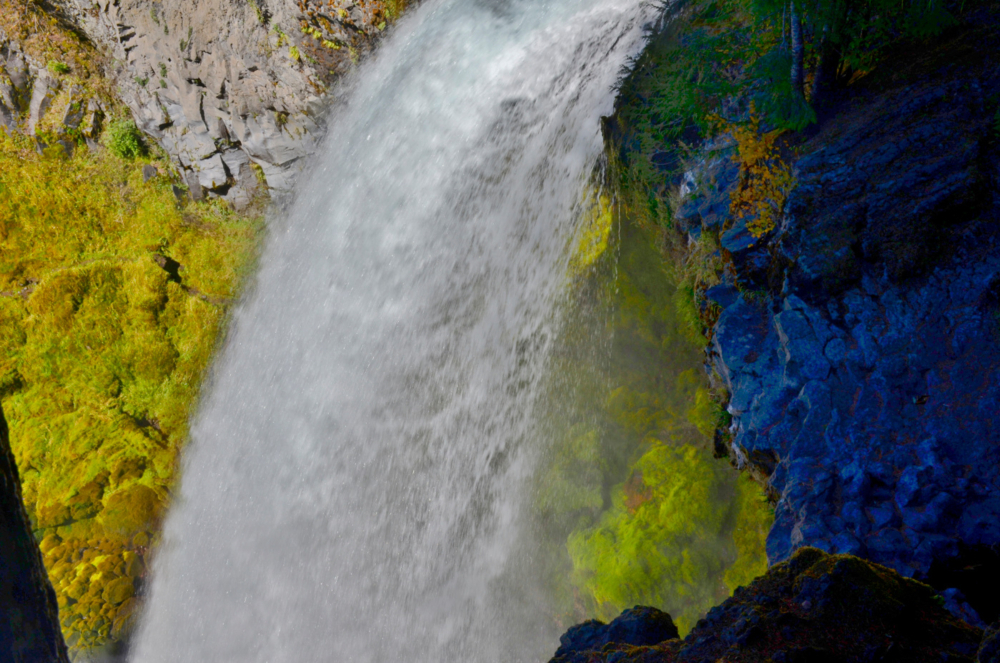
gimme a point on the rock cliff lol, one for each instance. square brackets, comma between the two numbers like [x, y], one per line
[859, 340]
[29, 617]
[219, 84]
[857, 343]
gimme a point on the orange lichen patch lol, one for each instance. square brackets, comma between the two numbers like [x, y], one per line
[636, 492]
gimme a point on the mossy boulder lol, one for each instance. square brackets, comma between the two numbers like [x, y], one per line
[118, 591]
[815, 607]
[130, 509]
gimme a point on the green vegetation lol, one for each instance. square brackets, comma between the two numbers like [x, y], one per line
[112, 298]
[57, 67]
[640, 511]
[718, 59]
[124, 140]
[672, 537]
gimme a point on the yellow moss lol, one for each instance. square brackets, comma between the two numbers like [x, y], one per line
[49, 543]
[130, 509]
[115, 592]
[595, 230]
[101, 355]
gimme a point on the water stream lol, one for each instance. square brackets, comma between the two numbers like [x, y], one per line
[355, 488]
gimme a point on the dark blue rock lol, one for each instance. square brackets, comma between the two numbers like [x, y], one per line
[954, 602]
[989, 648]
[865, 383]
[638, 626]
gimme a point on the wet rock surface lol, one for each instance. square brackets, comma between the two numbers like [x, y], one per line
[815, 607]
[29, 617]
[859, 342]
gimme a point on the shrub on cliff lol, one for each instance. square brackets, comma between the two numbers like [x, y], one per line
[124, 139]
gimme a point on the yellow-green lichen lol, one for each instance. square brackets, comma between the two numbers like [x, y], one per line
[112, 298]
[639, 510]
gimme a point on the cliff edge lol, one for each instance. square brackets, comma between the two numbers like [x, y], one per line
[29, 617]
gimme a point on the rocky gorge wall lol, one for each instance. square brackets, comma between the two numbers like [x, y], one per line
[859, 340]
[114, 291]
[856, 344]
[29, 629]
[126, 241]
[218, 84]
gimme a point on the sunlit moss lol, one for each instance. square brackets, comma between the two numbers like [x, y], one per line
[103, 344]
[639, 509]
[663, 542]
[595, 230]
[753, 522]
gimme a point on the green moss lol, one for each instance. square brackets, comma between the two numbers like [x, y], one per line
[663, 542]
[641, 510]
[57, 67]
[101, 355]
[124, 140]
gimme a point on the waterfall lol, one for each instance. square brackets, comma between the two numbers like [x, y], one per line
[355, 488]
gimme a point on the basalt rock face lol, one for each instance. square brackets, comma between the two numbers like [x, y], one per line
[813, 608]
[860, 341]
[29, 618]
[223, 83]
[637, 627]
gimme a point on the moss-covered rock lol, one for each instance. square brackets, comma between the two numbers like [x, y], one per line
[112, 298]
[815, 607]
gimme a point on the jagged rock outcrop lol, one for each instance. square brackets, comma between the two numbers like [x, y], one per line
[813, 608]
[859, 342]
[29, 617]
[221, 84]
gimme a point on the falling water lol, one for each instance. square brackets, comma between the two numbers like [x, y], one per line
[355, 488]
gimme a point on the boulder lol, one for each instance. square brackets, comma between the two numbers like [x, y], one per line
[989, 648]
[638, 626]
[813, 608]
[42, 93]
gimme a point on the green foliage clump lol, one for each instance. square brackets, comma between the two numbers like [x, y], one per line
[124, 140]
[102, 350]
[667, 540]
[57, 67]
[640, 511]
